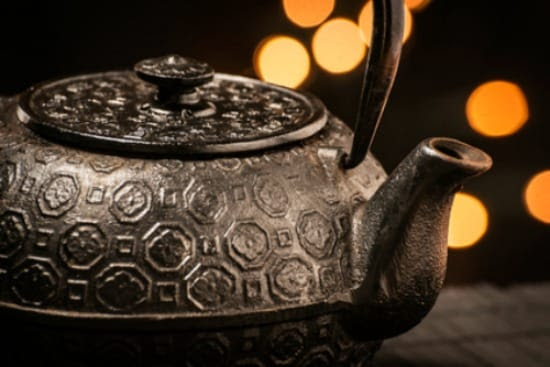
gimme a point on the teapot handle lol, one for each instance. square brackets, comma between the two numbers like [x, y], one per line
[381, 67]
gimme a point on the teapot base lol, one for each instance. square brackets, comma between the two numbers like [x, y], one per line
[318, 342]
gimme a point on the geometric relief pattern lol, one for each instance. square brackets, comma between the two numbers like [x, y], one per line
[248, 245]
[82, 246]
[213, 289]
[122, 287]
[14, 231]
[316, 234]
[271, 197]
[168, 246]
[58, 195]
[131, 201]
[207, 203]
[35, 281]
[291, 278]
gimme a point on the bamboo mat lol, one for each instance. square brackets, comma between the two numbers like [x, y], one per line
[478, 326]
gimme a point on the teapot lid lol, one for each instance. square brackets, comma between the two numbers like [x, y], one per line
[170, 105]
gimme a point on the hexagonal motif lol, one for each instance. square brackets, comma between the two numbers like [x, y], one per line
[209, 351]
[131, 201]
[7, 176]
[271, 196]
[316, 234]
[82, 246]
[14, 231]
[122, 287]
[291, 278]
[35, 281]
[330, 279]
[207, 203]
[248, 245]
[106, 164]
[212, 289]
[168, 246]
[286, 345]
[58, 195]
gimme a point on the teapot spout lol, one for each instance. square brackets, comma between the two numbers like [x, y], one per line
[399, 237]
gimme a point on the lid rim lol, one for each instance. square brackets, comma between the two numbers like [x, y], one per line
[316, 119]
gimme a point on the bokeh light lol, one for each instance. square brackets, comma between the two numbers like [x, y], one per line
[468, 222]
[537, 196]
[337, 46]
[308, 13]
[366, 19]
[282, 60]
[417, 5]
[497, 108]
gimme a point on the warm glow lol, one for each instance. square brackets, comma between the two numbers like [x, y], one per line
[417, 5]
[366, 20]
[469, 221]
[497, 108]
[282, 60]
[337, 46]
[537, 196]
[308, 13]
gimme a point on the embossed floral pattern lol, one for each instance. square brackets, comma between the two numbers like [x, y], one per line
[83, 245]
[169, 248]
[13, 232]
[121, 290]
[35, 284]
[213, 288]
[59, 192]
[316, 234]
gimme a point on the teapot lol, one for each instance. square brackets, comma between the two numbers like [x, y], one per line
[171, 215]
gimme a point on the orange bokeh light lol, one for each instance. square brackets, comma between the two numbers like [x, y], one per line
[497, 108]
[417, 5]
[308, 13]
[282, 60]
[537, 196]
[469, 221]
[337, 46]
[366, 19]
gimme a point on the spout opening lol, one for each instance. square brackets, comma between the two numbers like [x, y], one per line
[461, 154]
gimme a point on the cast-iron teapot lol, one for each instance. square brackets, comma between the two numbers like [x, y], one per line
[171, 215]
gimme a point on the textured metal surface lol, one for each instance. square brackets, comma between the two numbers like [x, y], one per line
[116, 111]
[87, 235]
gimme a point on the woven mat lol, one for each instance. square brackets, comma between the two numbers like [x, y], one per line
[478, 326]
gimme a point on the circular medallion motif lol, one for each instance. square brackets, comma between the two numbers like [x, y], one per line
[212, 289]
[58, 195]
[82, 246]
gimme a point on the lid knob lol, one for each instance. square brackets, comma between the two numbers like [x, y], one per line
[176, 78]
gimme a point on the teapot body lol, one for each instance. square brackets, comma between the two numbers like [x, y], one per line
[94, 239]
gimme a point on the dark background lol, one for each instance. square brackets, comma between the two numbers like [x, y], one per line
[455, 46]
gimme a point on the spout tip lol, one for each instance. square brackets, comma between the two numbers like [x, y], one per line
[458, 153]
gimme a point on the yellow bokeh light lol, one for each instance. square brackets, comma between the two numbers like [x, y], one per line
[337, 46]
[469, 221]
[366, 18]
[497, 108]
[282, 60]
[417, 5]
[537, 196]
[308, 13]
